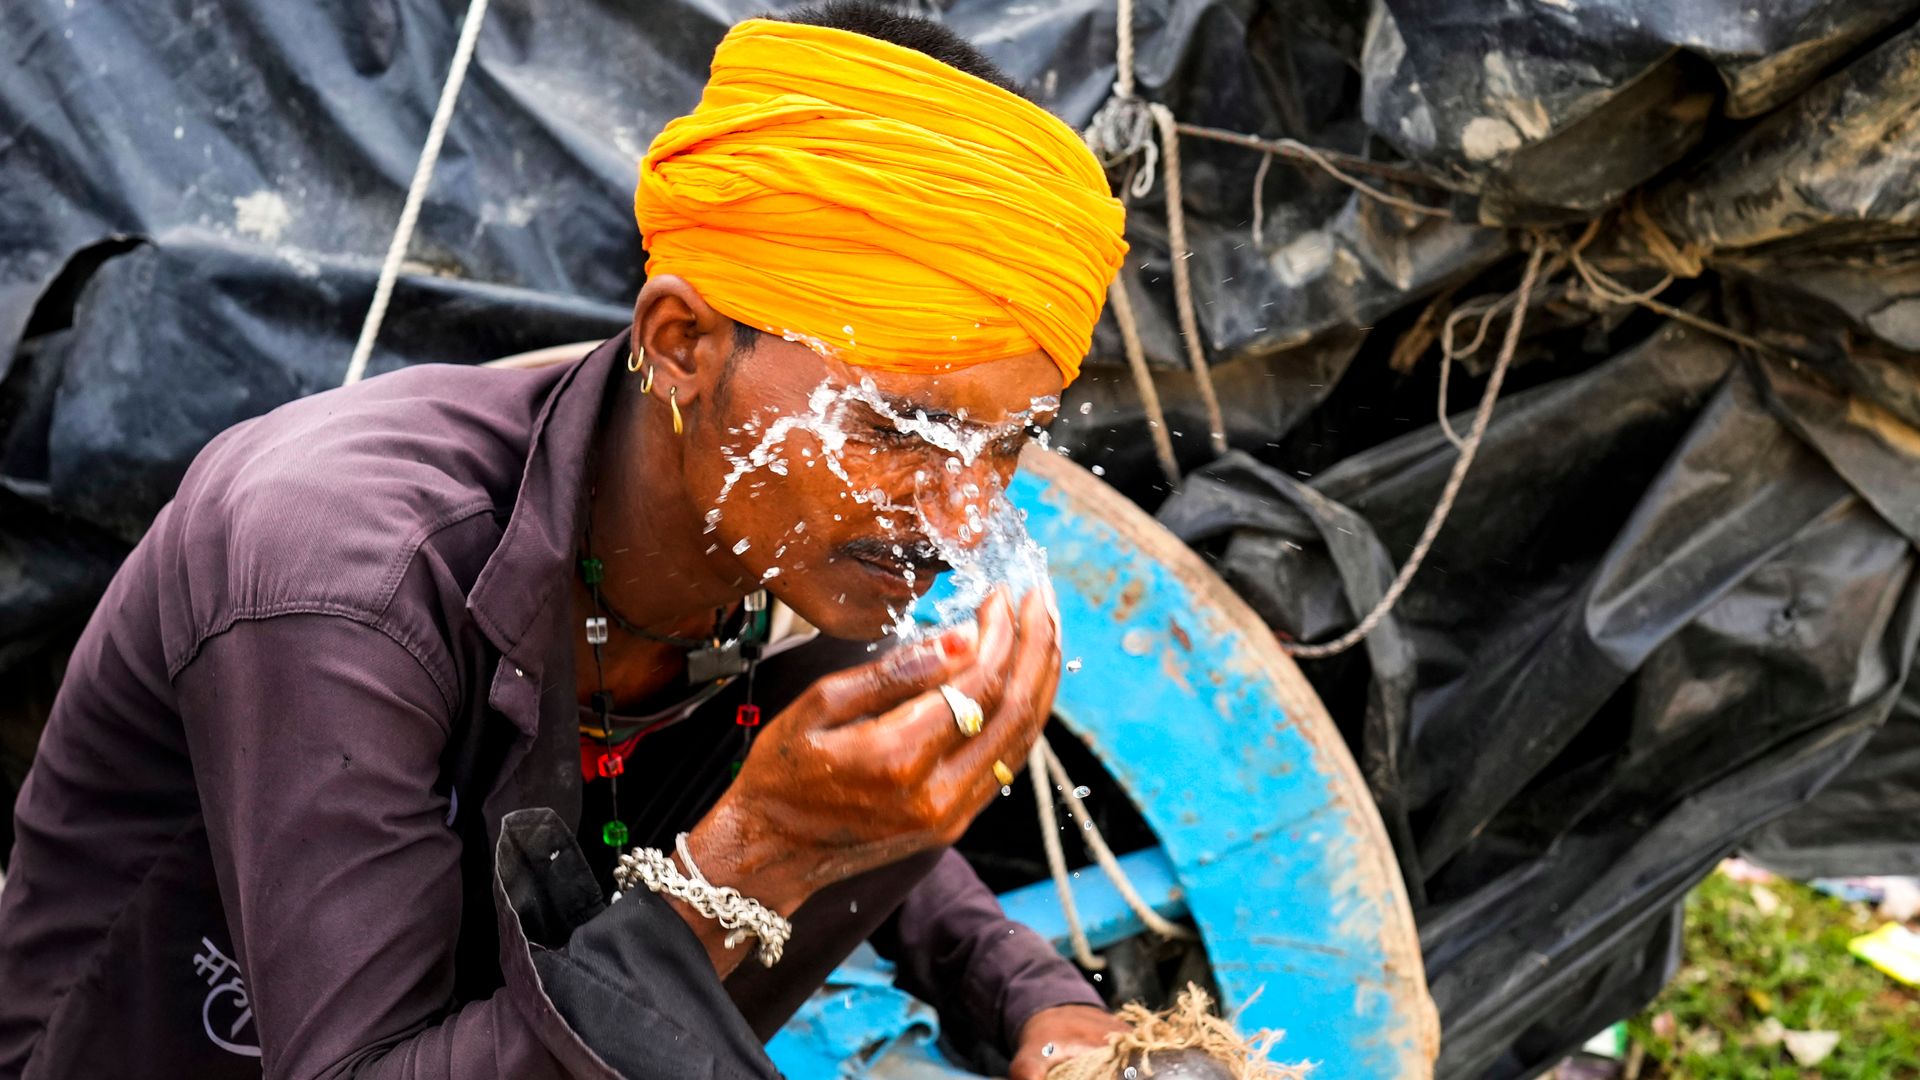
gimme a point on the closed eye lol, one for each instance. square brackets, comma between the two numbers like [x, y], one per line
[1010, 444]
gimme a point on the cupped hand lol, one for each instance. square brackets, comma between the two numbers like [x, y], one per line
[868, 765]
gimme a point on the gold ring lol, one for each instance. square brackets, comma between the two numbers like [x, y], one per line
[1001, 772]
[966, 711]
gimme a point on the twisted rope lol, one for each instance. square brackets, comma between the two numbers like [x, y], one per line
[1123, 317]
[1103, 856]
[1183, 275]
[1057, 859]
[417, 191]
[1468, 450]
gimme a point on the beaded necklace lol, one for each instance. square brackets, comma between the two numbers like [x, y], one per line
[712, 663]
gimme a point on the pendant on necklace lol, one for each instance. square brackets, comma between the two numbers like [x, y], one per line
[716, 662]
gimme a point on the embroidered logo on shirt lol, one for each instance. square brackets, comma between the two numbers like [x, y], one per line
[233, 1013]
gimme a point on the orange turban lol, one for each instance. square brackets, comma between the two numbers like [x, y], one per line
[880, 206]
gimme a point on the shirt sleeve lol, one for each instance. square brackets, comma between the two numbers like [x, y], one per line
[316, 743]
[954, 948]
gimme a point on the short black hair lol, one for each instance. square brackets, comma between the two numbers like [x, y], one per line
[904, 30]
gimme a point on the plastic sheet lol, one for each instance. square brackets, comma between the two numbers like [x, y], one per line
[1658, 621]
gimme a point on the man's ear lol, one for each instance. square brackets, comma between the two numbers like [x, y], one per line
[679, 335]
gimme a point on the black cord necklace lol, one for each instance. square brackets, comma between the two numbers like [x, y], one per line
[710, 663]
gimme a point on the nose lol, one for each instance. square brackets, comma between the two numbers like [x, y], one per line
[956, 504]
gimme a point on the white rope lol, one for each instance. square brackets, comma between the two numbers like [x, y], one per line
[1122, 128]
[1043, 765]
[1057, 858]
[1485, 310]
[1259, 200]
[1122, 304]
[1295, 150]
[1123, 50]
[1183, 274]
[1103, 856]
[1458, 476]
[417, 191]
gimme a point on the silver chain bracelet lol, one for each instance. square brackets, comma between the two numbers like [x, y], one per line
[741, 916]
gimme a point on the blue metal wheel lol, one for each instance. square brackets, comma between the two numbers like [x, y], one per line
[1269, 841]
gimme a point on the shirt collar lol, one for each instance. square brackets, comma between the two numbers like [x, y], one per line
[532, 562]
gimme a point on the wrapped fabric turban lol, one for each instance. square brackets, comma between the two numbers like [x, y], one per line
[884, 208]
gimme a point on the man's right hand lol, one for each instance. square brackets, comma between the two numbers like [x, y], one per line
[868, 765]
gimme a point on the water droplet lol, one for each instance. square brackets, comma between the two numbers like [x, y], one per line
[953, 465]
[854, 907]
[1099, 470]
[1098, 978]
[1074, 665]
[1131, 1073]
[772, 572]
[1086, 407]
[741, 547]
[1082, 791]
[1047, 1050]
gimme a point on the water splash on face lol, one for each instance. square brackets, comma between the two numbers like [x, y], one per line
[997, 551]
[993, 546]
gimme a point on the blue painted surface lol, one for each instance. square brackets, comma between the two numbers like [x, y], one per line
[1280, 873]
[855, 1020]
[1263, 834]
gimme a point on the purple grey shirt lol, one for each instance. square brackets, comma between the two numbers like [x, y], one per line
[307, 800]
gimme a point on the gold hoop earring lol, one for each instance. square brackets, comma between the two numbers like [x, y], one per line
[633, 361]
[646, 381]
[673, 402]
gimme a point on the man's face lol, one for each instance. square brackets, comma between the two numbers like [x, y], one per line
[839, 488]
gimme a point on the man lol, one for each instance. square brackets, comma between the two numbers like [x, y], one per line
[308, 801]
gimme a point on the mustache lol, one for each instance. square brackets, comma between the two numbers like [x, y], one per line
[917, 554]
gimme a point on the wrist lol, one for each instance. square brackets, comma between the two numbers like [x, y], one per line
[733, 849]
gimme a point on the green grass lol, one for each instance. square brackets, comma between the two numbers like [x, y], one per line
[1743, 966]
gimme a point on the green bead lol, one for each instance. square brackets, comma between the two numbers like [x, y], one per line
[736, 769]
[592, 571]
[614, 834]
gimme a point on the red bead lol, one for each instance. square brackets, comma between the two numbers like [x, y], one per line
[748, 716]
[612, 765]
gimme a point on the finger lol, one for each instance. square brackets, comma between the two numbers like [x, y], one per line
[986, 679]
[927, 721]
[901, 743]
[898, 675]
[1025, 704]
